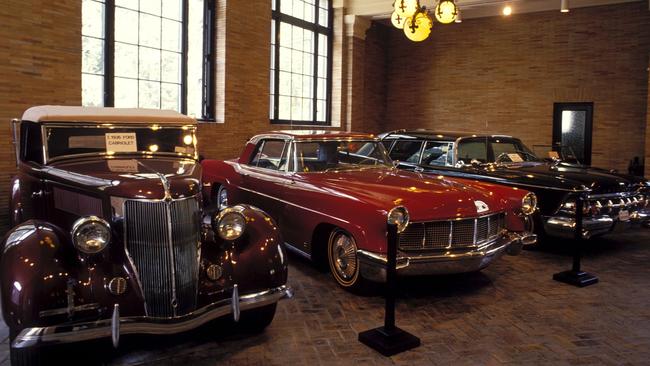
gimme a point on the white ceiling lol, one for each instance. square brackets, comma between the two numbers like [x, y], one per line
[380, 9]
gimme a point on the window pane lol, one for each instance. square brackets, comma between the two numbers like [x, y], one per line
[285, 35]
[321, 110]
[307, 89]
[322, 66]
[92, 87]
[149, 95]
[92, 19]
[285, 83]
[285, 59]
[149, 30]
[126, 93]
[195, 59]
[149, 64]
[172, 8]
[171, 35]
[296, 84]
[296, 61]
[93, 55]
[150, 6]
[126, 60]
[284, 108]
[171, 67]
[170, 96]
[126, 26]
[323, 17]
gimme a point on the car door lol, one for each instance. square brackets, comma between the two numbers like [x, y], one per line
[265, 177]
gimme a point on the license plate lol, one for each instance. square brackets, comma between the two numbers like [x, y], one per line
[624, 215]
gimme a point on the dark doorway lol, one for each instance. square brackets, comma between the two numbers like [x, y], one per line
[572, 123]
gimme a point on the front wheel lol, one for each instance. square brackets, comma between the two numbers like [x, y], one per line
[343, 259]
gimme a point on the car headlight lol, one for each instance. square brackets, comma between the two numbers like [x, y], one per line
[399, 216]
[90, 234]
[529, 203]
[230, 223]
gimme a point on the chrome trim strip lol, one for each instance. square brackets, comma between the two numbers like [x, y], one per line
[69, 333]
[462, 218]
[66, 310]
[115, 326]
[172, 261]
[293, 204]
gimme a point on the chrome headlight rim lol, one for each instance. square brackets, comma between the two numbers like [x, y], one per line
[394, 213]
[81, 223]
[235, 213]
[529, 204]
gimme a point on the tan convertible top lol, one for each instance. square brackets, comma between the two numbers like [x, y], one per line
[54, 113]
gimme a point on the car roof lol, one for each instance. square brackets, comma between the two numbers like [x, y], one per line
[320, 134]
[436, 135]
[54, 113]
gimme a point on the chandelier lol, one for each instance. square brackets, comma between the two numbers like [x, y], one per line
[415, 19]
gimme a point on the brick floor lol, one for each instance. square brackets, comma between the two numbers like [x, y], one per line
[511, 313]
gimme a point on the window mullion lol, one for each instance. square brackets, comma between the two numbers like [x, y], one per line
[184, 41]
[109, 53]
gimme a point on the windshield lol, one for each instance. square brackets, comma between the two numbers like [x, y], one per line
[102, 140]
[319, 156]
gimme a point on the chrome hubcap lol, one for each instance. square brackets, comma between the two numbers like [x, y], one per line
[344, 256]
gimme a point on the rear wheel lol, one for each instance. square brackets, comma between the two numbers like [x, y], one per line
[343, 259]
[256, 320]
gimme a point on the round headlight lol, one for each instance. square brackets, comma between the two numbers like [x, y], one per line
[91, 234]
[399, 216]
[529, 204]
[230, 223]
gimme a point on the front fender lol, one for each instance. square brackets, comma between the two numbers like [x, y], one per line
[35, 269]
[258, 258]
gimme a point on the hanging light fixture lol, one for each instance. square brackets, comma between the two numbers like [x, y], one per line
[564, 6]
[406, 8]
[446, 11]
[397, 20]
[459, 19]
[418, 28]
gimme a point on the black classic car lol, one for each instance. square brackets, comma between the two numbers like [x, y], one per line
[613, 201]
[109, 238]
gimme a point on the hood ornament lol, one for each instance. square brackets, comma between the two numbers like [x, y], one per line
[481, 206]
[163, 179]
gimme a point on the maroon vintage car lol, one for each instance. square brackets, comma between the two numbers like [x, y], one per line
[108, 235]
[332, 194]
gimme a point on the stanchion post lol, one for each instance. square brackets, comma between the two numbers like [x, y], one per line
[389, 339]
[576, 276]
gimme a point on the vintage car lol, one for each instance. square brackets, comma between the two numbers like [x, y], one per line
[108, 239]
[612, 201]
[332, 194]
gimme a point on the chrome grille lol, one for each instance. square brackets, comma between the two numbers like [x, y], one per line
[162, 239]
[452, 234]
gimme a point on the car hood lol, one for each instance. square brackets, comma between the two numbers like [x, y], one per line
[131, 178]
[565, 176]
[427, 198]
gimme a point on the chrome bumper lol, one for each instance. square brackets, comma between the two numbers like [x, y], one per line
[563, 227]
[373, 265]
[105, 328]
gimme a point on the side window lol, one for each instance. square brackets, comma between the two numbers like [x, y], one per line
[31, 144]
[387, 144]
[270, 154]
[437, 153]
[406, 151]
[469, 150]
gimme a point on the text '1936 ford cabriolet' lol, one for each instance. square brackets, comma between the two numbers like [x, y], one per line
[108, 239]
[613, 202]
[332, 194]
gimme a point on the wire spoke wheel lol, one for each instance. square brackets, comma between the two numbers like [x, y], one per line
[342, 254]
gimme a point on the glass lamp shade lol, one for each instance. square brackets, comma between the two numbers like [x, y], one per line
[418, 29]
[406, 8]
[446, 11]
[397, 20]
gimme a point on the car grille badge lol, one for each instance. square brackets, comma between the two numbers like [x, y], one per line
[481, 206]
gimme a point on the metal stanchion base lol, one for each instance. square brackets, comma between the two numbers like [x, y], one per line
[389, 342]
[579, 279]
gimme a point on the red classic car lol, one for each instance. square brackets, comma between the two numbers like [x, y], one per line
[107, 234]
[332, 194]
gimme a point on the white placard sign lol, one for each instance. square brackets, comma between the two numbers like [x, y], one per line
[121, 142]
[515, 158]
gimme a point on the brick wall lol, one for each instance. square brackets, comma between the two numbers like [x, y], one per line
[374, 96]
[502, 75]
[40, 63]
